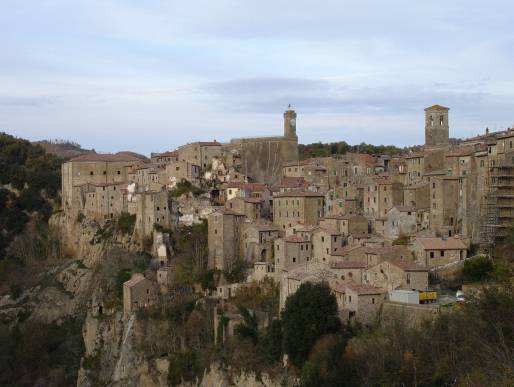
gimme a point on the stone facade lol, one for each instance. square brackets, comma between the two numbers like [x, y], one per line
[436, 126]
[294, 207]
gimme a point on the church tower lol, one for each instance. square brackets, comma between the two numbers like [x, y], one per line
[436, 126]
[290, 123]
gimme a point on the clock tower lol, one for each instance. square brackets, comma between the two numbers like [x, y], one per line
[290, 123]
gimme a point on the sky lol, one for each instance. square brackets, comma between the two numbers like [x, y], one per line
[149, 76]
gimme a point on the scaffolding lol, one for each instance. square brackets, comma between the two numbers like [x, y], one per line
[499, 204]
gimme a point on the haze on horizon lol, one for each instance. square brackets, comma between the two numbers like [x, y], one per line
[151, 75]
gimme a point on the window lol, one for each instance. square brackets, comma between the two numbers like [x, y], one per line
[431, 254]
[91, 173]
[118, 172]
[442, 253]
[215, 231]
[105, 172]
[441, 120]
[372, 300]
[294, 259]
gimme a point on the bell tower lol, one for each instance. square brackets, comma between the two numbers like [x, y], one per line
[436, 126]
[290, 123]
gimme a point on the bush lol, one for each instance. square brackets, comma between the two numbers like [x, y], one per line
[184, 366]
[184, 187]
[309, 314]
[122, 277]
[126, 223]
[477, 269]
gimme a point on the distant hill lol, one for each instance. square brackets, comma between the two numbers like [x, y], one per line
[339, 148]
[63, 149]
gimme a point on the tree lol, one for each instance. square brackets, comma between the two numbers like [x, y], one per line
[248, 329]
[477, 269]
[309, 314]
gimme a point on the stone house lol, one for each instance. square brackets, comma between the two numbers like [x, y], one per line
[250, 207]
[325, 244]
[164, 158]
[178, 170]
[444, 203]
[415, 168]
[105, 201]
[297, 207]
[258, 241]
[401, 221]
[224, 238]
[417, 196]
[380, 195]
[262, 270]
[200, 153]
[97, 169]
[138, 292]
[362, 303]
[349, 270]
[291, 251]
[346, 224]
[433, 252]
[152, 208]
[397, 274]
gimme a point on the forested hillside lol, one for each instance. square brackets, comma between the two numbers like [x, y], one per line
[30, 183]
[339, 148]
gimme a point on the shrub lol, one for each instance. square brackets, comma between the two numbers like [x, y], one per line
[477, 269]
[126, 222]
[309, 314]
[183, 187]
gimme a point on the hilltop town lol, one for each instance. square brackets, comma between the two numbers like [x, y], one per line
[186, 267]
[376, 227]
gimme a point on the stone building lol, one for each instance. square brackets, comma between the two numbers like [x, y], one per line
[346, 224]
[294, 207]
[224, 238]
[262, 157]
[401, 221]
[436, 126]
[97, 169]
[200, 153]
[380, 195]
[138, 292]
[349, 270]
[291, 251]
[362, 302]
[445, 195]
[433, 252]
[258, 241]
[326, 243]
[252, 208]
[153, 208]
[105, 201]
[397, 274]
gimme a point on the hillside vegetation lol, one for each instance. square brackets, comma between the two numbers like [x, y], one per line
[30, 183]
[339, 148]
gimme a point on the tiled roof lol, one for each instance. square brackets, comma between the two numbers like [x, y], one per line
[168, 154]
[109, 157]
[461, 152]
[136, 278]
[348, 265]
[441, 244]
[436, 107]
[299, 194]
[295, 239]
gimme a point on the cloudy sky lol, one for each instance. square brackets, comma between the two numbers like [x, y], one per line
[151, 75]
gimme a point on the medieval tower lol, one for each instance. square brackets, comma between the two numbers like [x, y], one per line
[290, 123]
[436, 126]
